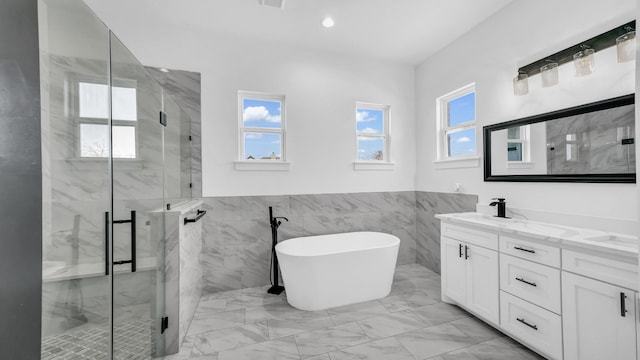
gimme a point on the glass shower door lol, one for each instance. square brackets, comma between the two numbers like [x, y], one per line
[138, 203]
[177, 154]
[76, 181]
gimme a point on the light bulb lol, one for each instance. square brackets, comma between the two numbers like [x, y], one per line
[328, 22]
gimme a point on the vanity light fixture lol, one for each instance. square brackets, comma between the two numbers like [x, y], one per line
[626, 45]
[584, 61]
[581, 54]
[328, 22]
[549, 73]
[521, 84]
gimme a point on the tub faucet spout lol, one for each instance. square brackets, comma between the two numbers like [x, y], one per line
[276, 223]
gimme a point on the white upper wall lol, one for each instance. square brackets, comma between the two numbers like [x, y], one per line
[490, 55]
[321, 92]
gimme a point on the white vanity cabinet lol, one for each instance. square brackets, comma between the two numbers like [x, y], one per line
[599, 313]
[470, 271]
[564, 296]
[530, 305]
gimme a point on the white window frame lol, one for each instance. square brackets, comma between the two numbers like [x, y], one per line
[262, 164]
[569, 144]
[443, 160]
[524, 142]
[79, 121]
[385, 163]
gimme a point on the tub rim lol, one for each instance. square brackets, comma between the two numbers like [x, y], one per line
[396, 242]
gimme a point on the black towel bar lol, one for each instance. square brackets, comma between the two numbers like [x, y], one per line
[199, 216]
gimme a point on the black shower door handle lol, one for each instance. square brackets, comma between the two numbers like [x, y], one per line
[106, 243]
[132, 261]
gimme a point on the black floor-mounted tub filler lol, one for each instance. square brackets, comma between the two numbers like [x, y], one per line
[275, 224]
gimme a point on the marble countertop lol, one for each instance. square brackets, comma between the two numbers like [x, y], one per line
[554, 234]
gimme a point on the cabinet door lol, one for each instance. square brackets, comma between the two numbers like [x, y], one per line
[482, 282]
[593, 325]
[453, 270]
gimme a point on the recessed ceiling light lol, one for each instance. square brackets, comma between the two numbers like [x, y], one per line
[328, 22]
[164, 70]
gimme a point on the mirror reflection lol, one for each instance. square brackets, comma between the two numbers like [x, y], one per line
[573, 144]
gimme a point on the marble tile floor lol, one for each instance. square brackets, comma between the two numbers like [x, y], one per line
[411, 323]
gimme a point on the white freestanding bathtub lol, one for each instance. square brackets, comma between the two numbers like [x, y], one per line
[325, 271]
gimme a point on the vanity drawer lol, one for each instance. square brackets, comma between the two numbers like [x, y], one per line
[538, 284]
[470, 235]
[616, 272]
[539, 328]
[543, 254]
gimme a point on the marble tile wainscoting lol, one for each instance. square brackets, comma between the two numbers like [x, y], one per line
[237, 237]
[428, 204]
[182, 270]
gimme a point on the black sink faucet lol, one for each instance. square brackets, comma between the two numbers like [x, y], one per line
[502, 207]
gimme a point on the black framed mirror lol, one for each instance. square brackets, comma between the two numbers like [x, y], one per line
[592, 143]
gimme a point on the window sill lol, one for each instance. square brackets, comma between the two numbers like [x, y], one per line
[463, 162]
[262, 165]
[519, 165]
[378, 165]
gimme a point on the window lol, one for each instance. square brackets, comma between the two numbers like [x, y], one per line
[93, 114]
[372, 132]
[457, 124]
[572, 147]
[518, 144]
[261, 127]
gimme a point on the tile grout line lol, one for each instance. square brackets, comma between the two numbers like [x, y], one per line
[297, 347]
[404, 347]
[333, 321]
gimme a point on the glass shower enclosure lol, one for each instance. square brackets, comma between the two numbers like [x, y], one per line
[116, 154]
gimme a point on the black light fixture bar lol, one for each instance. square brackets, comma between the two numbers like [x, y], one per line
[596, 43]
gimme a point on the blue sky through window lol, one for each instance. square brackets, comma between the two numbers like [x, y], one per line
[262, 145]
[514, 151]
[261, 114]
[370, 148]
[369, 121]
[462, 109]
[462, 143]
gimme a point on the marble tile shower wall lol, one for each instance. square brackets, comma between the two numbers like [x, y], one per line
[79, 188]
[184, 88]
[237, 237]
[428, 227]
[595, 145]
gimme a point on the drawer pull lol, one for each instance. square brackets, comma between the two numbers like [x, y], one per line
[526, 282]
[525, 250]
[466, 252]
[460, 250]
[534, 327]
[623, 304]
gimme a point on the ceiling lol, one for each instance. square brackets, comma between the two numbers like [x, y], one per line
[403, 31]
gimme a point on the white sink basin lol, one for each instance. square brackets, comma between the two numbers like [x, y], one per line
[614, 239]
